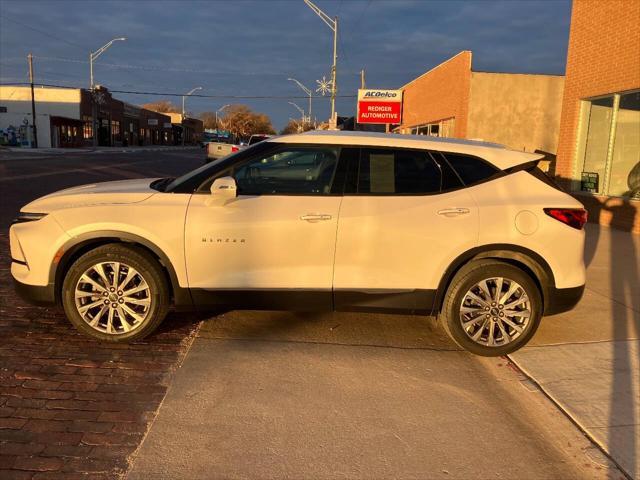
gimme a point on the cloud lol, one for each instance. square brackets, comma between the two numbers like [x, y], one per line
[251, 47]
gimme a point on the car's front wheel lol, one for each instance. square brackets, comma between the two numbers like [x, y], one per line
[115, 293]
[491, 308]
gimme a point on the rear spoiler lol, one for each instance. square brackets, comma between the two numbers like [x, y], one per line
[532, 168]
[523, 166]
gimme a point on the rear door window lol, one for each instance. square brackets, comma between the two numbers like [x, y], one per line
[397, 172]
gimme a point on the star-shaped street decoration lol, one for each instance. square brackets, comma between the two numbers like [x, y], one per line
[324, 86]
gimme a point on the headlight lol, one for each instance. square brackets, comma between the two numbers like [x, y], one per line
[28, 217]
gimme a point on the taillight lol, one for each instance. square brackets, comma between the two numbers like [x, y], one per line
[234, 149]
[574, 217]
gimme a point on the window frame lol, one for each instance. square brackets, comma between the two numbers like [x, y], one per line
[432, 154]
[581, 140]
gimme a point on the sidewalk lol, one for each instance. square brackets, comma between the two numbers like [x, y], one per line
[588, 360]
[289, 396]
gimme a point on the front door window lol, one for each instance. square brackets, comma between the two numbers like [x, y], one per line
[293, 171]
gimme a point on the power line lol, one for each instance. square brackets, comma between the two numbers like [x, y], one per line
[194, 95]
[13, 20]
[160, 68]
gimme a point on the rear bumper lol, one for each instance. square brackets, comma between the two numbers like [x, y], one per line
[560, 300]
[35, 294]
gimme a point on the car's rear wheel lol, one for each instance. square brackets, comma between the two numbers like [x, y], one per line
[491, 308]
[115, 293]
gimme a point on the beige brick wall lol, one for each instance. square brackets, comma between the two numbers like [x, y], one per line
[441, 93]
[519, 111]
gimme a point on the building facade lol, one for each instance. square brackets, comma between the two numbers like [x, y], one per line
[599, 142]
[521, 111]
[191, 128]
[69, 117]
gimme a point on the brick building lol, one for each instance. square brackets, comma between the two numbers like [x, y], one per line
[65, 118]
[599, 138]
[521, 111]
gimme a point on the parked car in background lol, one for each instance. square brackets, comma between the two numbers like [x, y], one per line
[218, 149]
[253, 139]
[471, 232]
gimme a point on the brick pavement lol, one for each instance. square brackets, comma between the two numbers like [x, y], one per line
[71, 407]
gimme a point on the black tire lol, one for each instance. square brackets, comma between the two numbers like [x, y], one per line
[469, 276]
[149, 270]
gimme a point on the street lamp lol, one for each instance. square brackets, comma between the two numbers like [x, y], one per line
[299, 109]
[94, 55]
[333, 25]
[94, 107]
[183, 112]
[220, 110]
[305, 90]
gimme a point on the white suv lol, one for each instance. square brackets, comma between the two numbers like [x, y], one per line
[469, 231]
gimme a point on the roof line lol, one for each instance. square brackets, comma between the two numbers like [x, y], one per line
[437, 66]
[519, 73]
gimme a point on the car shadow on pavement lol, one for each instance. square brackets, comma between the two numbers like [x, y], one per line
[331, 328]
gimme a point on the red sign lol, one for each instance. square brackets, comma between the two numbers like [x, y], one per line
[380, 106]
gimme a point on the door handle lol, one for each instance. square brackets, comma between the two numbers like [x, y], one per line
[315, 217]
[453, 212]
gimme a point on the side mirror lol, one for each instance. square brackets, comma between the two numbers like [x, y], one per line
[224, 187]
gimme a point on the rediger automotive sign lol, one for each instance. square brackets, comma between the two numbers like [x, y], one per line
[379, 106]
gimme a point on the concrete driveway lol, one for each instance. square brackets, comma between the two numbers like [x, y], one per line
[280, 395]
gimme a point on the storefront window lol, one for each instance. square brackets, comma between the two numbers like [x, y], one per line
[598, 127]
[87, 130]
[442, 128]
[609, 145]
[625, 159]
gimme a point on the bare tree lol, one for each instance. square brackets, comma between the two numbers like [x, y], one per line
[208, 119]
[296, 126]
[244, 122]
[162, 106]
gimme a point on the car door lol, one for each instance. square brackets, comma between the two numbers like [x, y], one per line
[404, 218]
[273, 245]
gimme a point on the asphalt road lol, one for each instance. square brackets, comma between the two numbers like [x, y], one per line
[284, 395]
[27, 176]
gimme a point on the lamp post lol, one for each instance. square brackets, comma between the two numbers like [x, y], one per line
[220, 110]
[305, 90]
[94, 55]
[183, 112]
[333, 25]
[301, 110]
[94, 107]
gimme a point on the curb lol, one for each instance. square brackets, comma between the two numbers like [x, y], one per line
[583, 429]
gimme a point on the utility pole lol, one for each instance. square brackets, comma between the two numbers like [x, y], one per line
[34, 144]
[362, 82]
[333, 25]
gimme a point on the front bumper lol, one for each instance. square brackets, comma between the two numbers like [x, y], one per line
[35, 294]
[558, 300]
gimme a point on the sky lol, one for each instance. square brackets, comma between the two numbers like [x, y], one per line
[250, 48]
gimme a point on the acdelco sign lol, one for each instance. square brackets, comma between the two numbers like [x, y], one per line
[379, 106]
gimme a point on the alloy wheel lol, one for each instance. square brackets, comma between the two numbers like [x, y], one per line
[495, 311]
[113, 297]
